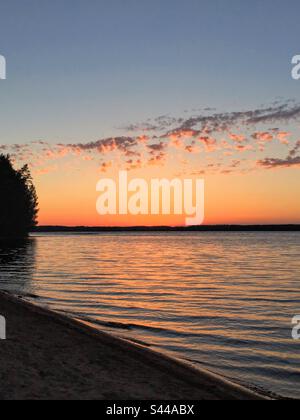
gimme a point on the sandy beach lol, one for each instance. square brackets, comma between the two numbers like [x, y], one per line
[49, 356]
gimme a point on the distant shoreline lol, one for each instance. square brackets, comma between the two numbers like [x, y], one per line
[203, 228]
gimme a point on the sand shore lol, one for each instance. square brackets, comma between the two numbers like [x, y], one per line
[49, 356]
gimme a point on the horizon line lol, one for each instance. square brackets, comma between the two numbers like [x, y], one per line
[226, 227]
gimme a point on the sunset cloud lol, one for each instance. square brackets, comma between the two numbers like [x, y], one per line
[220, 122]
[210, 143]
[157, 147]
[283, 137]
[295, 150]
[107, 145]
[280, 163]
[292, 159]
[164, 139]
[157, 159]
[263, 137]
[239, 138]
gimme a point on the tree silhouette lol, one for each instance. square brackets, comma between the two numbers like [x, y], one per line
[18, 200]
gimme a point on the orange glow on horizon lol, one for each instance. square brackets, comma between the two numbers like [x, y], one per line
[265, 197]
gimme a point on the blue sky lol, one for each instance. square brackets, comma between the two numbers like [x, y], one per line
[78, 70]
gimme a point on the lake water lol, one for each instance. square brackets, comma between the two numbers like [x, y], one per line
[222, 300]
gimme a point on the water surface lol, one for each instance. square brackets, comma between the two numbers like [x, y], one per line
[222, 300]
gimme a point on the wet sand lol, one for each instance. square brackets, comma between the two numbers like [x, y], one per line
[48, 356]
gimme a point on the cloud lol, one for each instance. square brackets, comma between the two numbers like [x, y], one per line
[238, 138]
[282, 136]
[207, 125]
[157, 159]
[157, 147]
[105, 166]
[182, 134]
[192, 148]
[284, 113]
[225, 134]
[157, 124]
[143, 139]
[295, 150]
[292, 160]
[107, 145]
[263, 137]
[132, 164]
[57, 152]
[210, 143]
[280, 163]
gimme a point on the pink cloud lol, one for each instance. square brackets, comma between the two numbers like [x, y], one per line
[210, 143]
[263, 136]
[283, 137]
[237, 138]
[105, 166]
[244, 148]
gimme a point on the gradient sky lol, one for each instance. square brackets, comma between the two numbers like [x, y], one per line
[81, 73]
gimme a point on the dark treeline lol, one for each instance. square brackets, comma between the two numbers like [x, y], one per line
[18, 200]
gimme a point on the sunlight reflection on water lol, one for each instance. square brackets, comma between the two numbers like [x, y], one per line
[223, 300]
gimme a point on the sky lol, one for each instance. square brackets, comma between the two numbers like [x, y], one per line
[167, 88]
